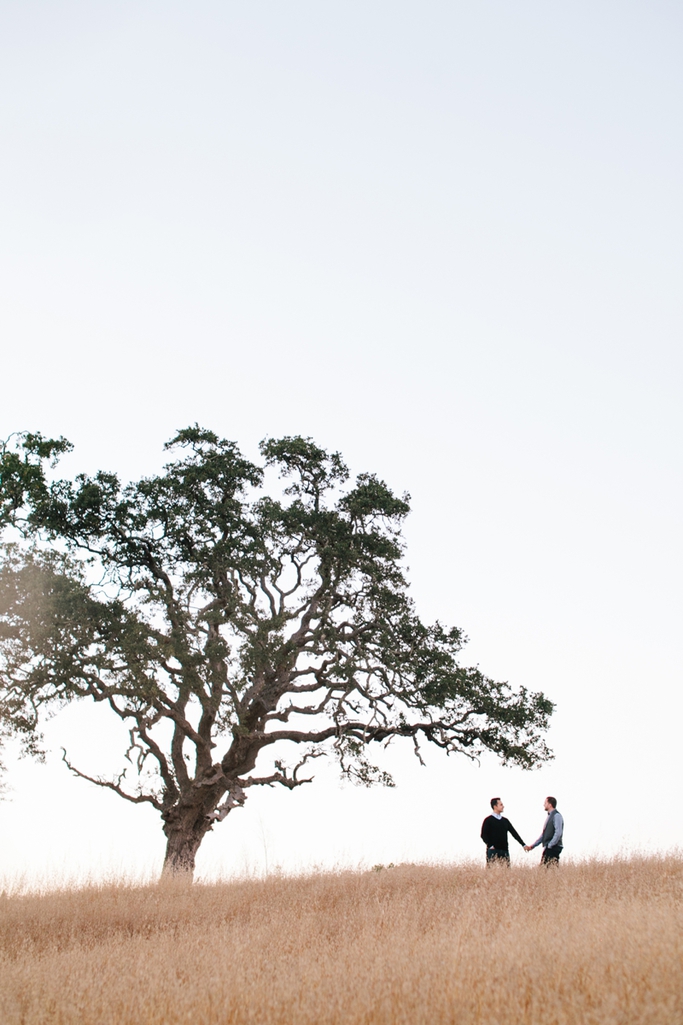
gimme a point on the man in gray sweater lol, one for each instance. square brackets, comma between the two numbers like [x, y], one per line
[551, 837]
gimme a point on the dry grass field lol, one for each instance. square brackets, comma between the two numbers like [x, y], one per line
[587, 944]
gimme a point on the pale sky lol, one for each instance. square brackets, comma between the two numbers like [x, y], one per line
[442, 238]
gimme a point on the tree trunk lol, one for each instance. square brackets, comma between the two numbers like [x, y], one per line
[185, 827]
[187, 823]
[181, 850]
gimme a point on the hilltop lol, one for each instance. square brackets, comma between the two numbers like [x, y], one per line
[587, 944]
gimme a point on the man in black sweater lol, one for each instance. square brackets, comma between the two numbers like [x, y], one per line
[494, 833]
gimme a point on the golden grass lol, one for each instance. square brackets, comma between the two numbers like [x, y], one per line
[592, 943]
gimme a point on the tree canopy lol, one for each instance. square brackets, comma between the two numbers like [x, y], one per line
[226, 619]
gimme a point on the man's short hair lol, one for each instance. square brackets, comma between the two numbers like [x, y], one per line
[495, 801]
[552, 800]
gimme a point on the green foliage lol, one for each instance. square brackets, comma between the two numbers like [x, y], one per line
[224, 620]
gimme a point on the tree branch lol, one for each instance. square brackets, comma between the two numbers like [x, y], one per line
[115, 786]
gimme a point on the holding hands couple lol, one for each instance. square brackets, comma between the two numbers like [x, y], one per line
[495, 830]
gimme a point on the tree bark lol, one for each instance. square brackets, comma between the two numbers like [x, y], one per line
[184, 834]
[180, 855]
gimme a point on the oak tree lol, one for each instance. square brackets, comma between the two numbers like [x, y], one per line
[229, 619]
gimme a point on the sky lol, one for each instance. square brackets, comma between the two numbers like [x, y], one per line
[444, 239]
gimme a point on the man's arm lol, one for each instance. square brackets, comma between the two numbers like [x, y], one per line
[511, 829]
[485, 831]
[540, 839]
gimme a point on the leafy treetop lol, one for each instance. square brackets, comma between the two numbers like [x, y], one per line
[223, 621]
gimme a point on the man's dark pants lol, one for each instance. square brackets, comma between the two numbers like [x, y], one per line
[551, 855]
[494, 854]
